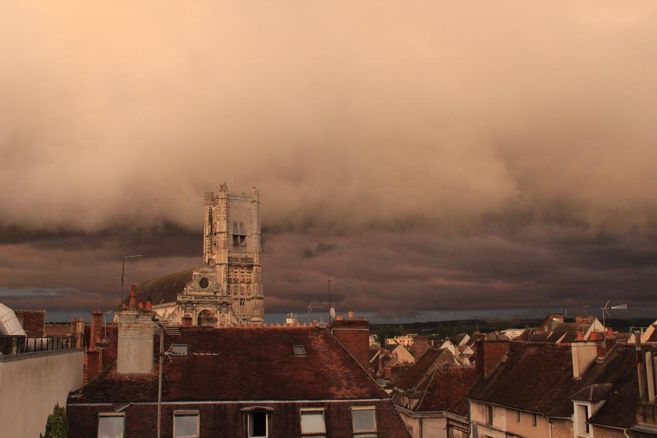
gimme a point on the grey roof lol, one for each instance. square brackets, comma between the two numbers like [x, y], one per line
[164, 289]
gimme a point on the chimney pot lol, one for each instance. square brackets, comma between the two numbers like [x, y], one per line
[609, 332]
[351, 315]
[133, 296]
[338, 317]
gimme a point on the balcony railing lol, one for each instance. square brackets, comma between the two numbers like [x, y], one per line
[13, 346]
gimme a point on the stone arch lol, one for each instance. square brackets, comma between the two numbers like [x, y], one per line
[206, 318]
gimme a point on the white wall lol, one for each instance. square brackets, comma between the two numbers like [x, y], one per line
[31, 386]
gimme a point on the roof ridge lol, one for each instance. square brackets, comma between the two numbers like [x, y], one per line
[426, 389]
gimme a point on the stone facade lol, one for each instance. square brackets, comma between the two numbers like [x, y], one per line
[227, 288]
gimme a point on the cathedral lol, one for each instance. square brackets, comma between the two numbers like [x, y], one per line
[226, 289]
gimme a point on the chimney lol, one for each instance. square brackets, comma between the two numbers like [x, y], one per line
[583, 354]
[96, 329]
[580, 335]
[133, 297]
[339, 317]
[149, 305]
[355, 337]
[489, 355]
[350, 315]
[78, 332]
[135, 342]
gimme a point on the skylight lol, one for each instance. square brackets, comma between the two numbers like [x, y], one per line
[299, 350]
[178, 350]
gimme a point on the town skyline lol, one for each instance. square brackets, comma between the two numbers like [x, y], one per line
[434, 159]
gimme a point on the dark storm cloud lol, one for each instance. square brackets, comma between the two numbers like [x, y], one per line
[426, 154]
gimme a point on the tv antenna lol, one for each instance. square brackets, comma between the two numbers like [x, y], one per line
[605, 312]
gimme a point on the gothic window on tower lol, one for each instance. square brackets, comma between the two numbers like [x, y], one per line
[239, 234]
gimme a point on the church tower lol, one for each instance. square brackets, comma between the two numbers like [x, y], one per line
[226, 289]
[232, 248]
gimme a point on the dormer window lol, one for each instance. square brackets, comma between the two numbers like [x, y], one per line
[582, 426]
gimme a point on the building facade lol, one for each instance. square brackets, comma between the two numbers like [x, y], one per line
[235, 382]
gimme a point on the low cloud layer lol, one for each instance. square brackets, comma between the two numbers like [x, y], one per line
[427, 154]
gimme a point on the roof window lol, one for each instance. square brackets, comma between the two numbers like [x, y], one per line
[179, 350]
[299, 350]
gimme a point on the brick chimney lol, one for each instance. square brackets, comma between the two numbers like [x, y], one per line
[96, 329]
[354, 335]
[489, 355]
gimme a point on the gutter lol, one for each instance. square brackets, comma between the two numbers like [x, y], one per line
[226, 402]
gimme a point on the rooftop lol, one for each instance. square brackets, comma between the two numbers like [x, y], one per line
[539, 378]
[233, 364]
[164, 289]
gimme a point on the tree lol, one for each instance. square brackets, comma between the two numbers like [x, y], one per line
[56, 426]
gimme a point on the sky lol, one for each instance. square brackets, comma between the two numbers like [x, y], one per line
[429, 155]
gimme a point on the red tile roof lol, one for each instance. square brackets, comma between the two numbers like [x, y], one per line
[538, 378]
[447, 390]
[438, 382]
[246, 364]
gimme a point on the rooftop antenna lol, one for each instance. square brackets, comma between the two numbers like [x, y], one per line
[310, 309]
[605, 312]
[331, 313]
[126, 257]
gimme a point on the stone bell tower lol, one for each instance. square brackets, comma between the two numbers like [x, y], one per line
[232, 250]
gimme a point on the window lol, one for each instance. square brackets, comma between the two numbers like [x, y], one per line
[239, 234]
[582, 417]
[489, 414]
[363, 421]
[258, 424]
[312, 422]
[111, 425]
[517, 416]
[534, 420]
[186, 424]
[299, 350]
